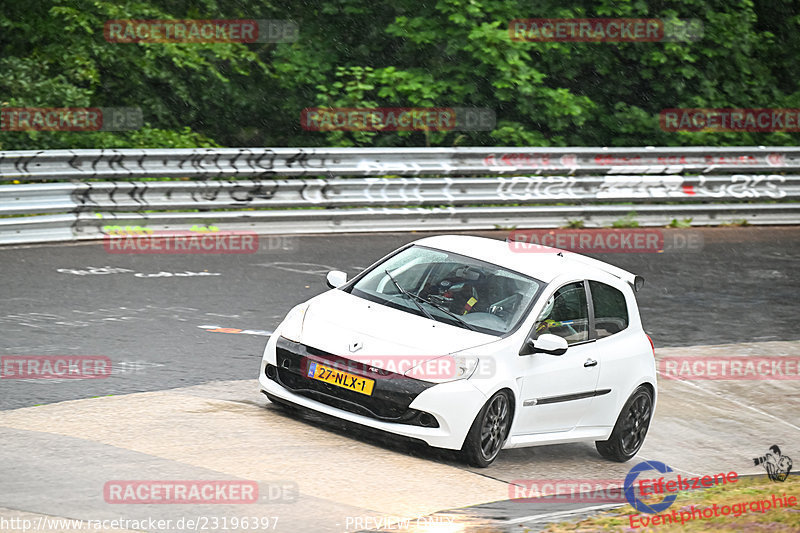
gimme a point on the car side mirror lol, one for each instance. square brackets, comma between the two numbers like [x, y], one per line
[546, 343]
[335, 279]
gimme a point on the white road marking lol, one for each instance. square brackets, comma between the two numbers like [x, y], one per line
[671, 466]
[301, 268]
[720, 395]
[562, 513]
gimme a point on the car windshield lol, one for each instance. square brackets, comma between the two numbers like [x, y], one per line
[452, 288]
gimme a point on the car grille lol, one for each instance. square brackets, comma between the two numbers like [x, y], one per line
[391, 395]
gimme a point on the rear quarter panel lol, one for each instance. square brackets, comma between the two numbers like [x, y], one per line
[626, 362]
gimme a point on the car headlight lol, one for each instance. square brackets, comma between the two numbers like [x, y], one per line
[465, 366]
[445, 368]
[292, 326]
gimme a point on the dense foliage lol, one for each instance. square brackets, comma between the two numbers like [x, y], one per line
[404, 53]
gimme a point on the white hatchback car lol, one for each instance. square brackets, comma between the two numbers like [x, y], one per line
[474, 344]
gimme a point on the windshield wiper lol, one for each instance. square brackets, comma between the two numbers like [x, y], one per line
[443, 310]
[409, 296]
[416, 297]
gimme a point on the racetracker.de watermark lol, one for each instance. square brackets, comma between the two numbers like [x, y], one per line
[70, 118]
[55, 366]
[605, 30]
[198, 491]
[197, 522]
[730, 119]
[183, 242]
[404, 366]
[397, 119]
[730, 368]
[566, 490]
[605, 241]
[200, 31]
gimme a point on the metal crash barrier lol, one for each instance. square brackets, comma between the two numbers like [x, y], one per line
[64, 195]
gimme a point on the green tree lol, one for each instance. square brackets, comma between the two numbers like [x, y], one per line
[407, 53]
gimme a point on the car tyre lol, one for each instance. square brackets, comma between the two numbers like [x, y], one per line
[489, 431]
[631, 428]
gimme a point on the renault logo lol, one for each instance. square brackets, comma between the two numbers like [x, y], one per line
[355, 346]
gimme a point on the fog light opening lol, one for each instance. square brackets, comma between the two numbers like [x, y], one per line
[427, 420]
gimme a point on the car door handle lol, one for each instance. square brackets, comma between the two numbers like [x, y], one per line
[590, 362]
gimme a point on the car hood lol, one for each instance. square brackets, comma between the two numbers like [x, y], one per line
[346, 325]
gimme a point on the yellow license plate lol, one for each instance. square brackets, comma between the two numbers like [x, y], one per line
[340, 379]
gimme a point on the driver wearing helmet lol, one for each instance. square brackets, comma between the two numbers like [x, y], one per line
[460, 291]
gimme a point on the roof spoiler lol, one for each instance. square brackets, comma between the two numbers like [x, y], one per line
[636, 282]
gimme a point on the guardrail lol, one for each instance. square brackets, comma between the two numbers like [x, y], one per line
[222, 163]
[248, 189]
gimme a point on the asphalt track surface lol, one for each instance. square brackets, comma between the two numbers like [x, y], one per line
[182, 401]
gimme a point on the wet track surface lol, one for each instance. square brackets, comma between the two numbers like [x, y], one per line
[741, 287]
[155, 317]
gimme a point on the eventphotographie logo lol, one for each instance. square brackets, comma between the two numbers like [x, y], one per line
[652, 488]
[630, 488]
[777, 465]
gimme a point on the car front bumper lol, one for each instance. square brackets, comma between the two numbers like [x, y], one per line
[453, 405]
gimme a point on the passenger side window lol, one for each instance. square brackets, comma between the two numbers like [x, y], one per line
[610, 309]
[566, 314]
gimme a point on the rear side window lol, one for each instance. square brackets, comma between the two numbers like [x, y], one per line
[610, 309]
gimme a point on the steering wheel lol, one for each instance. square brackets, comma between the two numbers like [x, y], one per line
[486, 320]
[505, 308]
